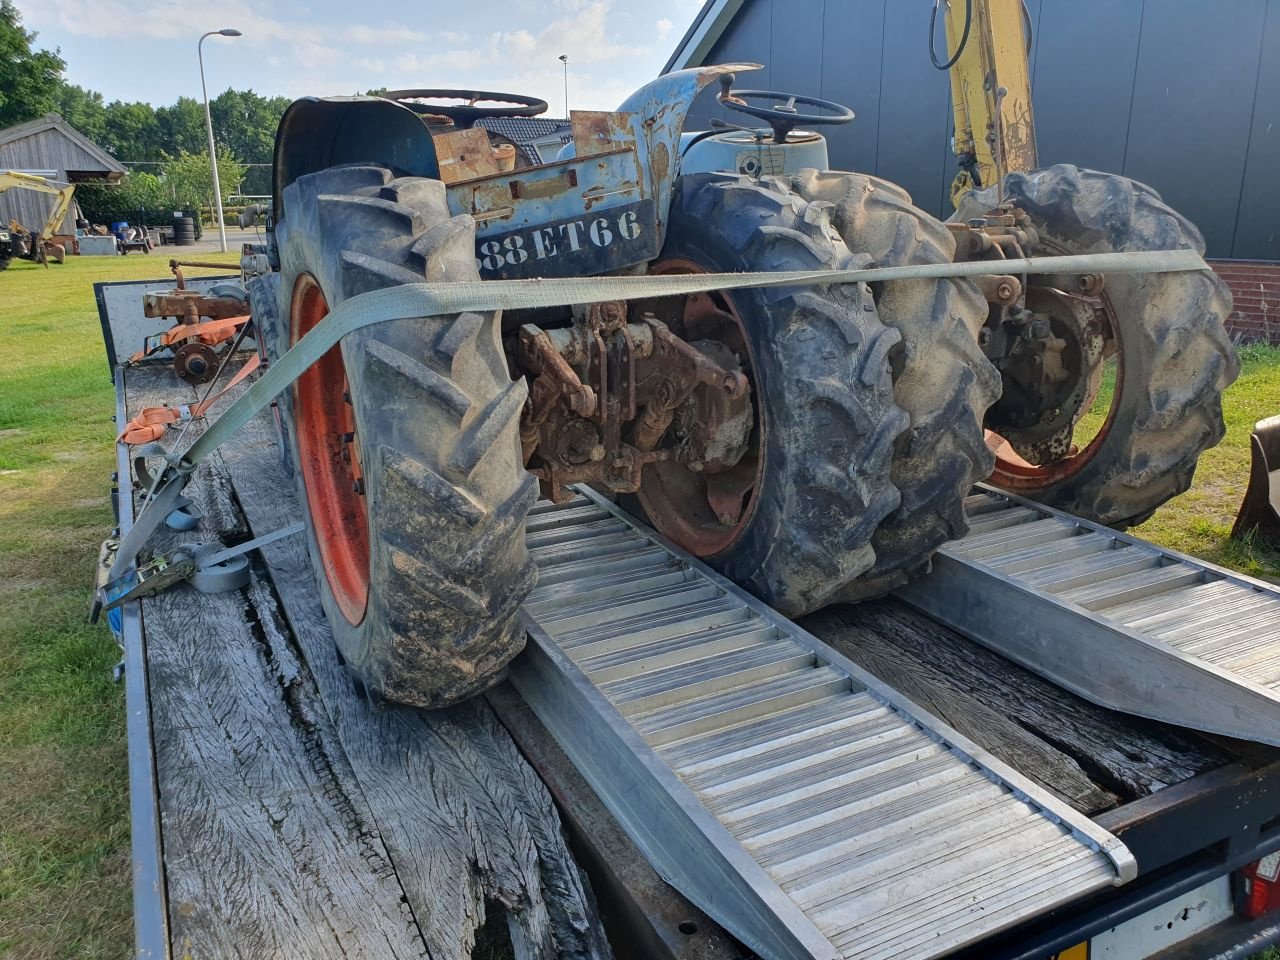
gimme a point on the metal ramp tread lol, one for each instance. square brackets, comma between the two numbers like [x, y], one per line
[810, 810]
[1111, 617]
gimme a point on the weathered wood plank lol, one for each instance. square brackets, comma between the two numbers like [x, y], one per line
[270, 851]
[466, 819]
[991, 700]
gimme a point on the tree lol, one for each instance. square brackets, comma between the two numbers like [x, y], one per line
[131, 131]
[29, 79]
[83, 109]
[182, 126]
[191, 181]
[245, 123]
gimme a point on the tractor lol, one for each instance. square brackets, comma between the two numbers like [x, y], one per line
[813, 443]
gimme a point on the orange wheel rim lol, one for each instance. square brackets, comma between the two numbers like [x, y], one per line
[1012, 472]
[678, 502]
[329, 459]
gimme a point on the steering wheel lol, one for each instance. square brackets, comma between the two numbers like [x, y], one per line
[464, 115]
[783, 116]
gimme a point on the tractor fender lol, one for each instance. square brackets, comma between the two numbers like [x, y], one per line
[320, 132]
[656, 113]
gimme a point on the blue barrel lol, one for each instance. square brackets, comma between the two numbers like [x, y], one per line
[119, 227]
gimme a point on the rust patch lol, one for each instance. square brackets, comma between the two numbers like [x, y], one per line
[661, 160]
[544, 186]
[599, 131]
[465, 155]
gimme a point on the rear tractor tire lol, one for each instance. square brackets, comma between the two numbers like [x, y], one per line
[406, 442]
[940, 376]
[1173, 356]
[819, 450]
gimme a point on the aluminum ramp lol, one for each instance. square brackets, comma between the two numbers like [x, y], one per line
[1115, 619]
[809, 809]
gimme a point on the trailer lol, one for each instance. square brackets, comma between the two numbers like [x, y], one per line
[277, 811]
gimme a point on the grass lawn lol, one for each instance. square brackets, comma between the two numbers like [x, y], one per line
[64, 831]
[1199, 522]
[64, 835]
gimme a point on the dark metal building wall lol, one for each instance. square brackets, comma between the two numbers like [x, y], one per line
[1181, 94]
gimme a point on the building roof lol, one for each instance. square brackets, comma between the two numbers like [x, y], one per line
[53, 121]
[524, 132]
[707, 27]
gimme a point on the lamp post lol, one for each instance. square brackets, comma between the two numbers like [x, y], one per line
[564, 58]
[208, 124]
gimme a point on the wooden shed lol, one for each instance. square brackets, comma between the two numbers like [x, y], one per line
[50, 147]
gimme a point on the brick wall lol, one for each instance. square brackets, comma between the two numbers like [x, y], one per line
[1255, 287]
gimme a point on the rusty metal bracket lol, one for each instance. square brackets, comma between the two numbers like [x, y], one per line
[686, 368]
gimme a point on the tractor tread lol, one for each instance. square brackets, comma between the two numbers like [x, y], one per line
[1177, 355]
[820, 356]
[446, 490]
[941, 378]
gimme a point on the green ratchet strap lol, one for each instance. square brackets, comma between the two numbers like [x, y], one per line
[443, 299]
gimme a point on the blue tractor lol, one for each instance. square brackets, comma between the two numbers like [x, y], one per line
[814, 443]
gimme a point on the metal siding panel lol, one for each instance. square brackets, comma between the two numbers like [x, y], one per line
[796, 48]
[1257, 233]
[1083, 81]
[1189, 126]
[747, 38]
[914, 121]
[852, 38]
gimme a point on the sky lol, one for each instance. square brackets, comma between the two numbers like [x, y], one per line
[146, 49]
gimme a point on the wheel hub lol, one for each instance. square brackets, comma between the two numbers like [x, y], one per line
[703, 497]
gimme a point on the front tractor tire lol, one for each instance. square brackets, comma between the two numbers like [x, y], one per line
[405, 441]
[1172, 354]
[940, 377]
[820, 448]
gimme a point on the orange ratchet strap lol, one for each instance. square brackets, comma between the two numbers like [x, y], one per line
[152, 422]
[211, 332]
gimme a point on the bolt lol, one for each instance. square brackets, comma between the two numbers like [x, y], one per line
[348, 438]
[984, 336]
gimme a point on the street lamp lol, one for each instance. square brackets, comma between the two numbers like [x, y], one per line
[564, 58]
[208, 124]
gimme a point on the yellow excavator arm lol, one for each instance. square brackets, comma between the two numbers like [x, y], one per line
[63, 192]
[990, 91]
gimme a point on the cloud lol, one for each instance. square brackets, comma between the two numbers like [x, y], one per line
[290, 48]
[172, 20]
[526, 61]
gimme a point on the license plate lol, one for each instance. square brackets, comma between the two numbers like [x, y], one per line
[1079, 952]
[582, 246]
[1160, 928]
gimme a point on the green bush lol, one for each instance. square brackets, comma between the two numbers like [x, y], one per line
[185, 183]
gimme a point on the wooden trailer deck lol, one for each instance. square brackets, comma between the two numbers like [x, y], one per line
[277, 813]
